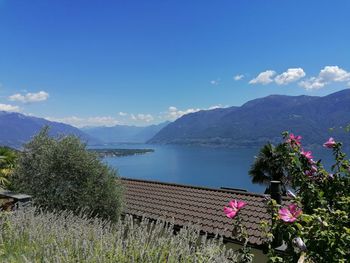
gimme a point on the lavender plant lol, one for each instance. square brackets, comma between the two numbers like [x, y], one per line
[36, 236]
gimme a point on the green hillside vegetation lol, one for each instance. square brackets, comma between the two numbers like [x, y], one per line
[61, 174]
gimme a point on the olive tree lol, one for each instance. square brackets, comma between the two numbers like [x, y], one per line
[61, 174]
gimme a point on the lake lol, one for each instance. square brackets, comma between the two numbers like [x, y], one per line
[200, 166]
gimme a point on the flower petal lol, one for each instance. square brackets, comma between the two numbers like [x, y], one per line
[230, 213]
[241, 204]
[292, 208]
[233, 204]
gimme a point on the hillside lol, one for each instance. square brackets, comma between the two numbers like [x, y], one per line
[125, 133]
[16, 129]
[262, 120]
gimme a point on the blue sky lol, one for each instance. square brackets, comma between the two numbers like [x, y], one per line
[90, 62]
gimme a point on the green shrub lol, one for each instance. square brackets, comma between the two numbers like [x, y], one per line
[8, 158]
[30, 236]
[61, 174]
[315, 227]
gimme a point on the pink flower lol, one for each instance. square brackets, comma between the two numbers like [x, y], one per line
[233, 207]
[289, 214]
[307, 155]
[293, 139]
[330, 143]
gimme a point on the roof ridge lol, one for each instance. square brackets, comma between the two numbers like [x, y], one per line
[193, 187]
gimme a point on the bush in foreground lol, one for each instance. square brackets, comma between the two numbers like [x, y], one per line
[61, 174]
[29, 236]
[315, 226]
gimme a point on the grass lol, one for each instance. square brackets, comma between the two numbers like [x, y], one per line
[36, 236]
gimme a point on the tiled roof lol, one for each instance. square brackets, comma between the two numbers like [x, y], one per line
[198, 205]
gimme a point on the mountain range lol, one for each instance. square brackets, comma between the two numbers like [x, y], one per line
[261, 120]
[252, 124]
[124, 133]
[17, 128]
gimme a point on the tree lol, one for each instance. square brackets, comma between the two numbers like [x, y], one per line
[7, 162]
[61, 174]
[270, 165]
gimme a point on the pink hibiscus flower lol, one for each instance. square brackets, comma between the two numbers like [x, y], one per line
[233, 207]
[330, 143]
[307, 155]
[294, 139]
[289, 214]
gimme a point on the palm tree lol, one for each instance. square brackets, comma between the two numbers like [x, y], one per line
[7, 163]
[270, 165]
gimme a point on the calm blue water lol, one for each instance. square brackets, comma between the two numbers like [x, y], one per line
[201, 166]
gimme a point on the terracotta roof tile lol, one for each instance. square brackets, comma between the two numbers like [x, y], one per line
[196, 205]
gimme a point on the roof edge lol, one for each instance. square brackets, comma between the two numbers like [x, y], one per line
[193, 186]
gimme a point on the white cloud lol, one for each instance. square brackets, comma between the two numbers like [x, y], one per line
[30, 97]
[174, 113]
[264, 77]
[142, 117]
[8, 107]
[215, 82]
[291, 75]
[334, 73]
[215, 107]
[238, 77]
[107, 121]
[312, 83]
[326, 76]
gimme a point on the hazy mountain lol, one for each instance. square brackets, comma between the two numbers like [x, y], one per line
[16, 129]
[262, 120]
[124, 133]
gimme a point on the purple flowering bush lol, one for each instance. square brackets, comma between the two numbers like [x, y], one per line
[315, 226]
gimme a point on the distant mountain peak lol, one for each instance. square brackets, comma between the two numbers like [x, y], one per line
[125, 133]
